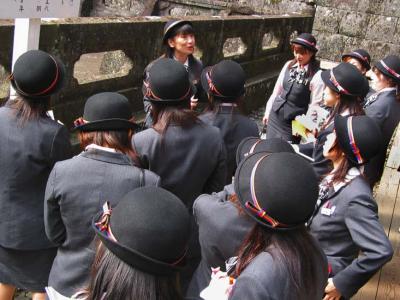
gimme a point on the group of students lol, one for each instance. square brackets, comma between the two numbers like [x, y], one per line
[147, 215]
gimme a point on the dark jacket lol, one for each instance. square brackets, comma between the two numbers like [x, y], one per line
[234, 127]
[384, 108]
[76, 191]
[266, 279]
[351, 227]
[222, 230]
[27, 155]
[191, 161]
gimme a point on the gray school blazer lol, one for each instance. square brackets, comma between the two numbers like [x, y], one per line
[27, 154]
[75, 193]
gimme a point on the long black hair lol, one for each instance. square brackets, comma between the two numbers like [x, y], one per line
[294, 250]
[27, 109]
[113, 279]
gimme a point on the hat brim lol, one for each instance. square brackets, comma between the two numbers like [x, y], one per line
[365, 64]
[106, 125]
[326, 75]
[382, 69]
[173, 25]
[243, 192]
[171, 102]
[244, 147]
[134, 258]
[59, 84]
[206, 87]
[305, 45]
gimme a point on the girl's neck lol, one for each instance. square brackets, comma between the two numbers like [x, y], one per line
[180, 57]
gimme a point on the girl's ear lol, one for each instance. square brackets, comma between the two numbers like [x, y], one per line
[171, 42]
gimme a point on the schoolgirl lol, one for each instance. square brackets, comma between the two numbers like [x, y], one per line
[224, 84]
[187, 154]
[278, 259]
[179, 43]
[298, 87]
[345, 88]
[345, 221]
[31, 143]
[384, 107]
[222, 225]
[77, 188]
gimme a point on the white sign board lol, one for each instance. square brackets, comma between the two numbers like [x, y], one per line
[12, 9]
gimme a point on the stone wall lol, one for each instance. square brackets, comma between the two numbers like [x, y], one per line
[260, 44]
[342, 25]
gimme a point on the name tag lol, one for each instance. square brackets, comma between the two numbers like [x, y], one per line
[327, 211]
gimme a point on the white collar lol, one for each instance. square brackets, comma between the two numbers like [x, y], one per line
[186, 63]
[94, 146]
[351, 174]
[297, 65]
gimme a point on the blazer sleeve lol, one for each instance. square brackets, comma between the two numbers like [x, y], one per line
[367, 233]
[216, 181]
[378, 113]
[61, 148]
[246, 287]
[53, 224]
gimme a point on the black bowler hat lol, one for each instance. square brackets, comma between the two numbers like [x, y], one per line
[37, 74]
[252, 145]
[107, 111]
[346, 79]
[167, 83]
[170, 25]
[225, 80]
[149, 230]
[361, 55]
[306, 40]
[277, 190]
[390, 66]
[359, 137]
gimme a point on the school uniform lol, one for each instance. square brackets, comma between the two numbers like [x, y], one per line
[294, 92]
[265, 278]
[234, 127]
[222, 230]
[27, 154]
[346, 222]
[384, 108]
[76, 190]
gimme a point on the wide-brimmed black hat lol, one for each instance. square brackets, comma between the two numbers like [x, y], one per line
[225, 80]
[361, 55]
[277, 190]
[306, 40]
[346, 79]
[359, 137]
[37, 74]
[149, 230]
[167, 83]
[170, 25]
[390, 66]
[107, 111]
[252, 145]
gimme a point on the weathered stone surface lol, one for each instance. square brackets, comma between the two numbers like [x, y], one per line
[379, 50]
[124, 8]
[354, 24]
[327, 19]
[330, 45]
[371, 6]
[381, 28]
[342, 4]
[392, 8]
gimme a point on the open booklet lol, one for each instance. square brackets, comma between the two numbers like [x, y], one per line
[305, 125]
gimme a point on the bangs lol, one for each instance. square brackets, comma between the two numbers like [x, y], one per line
[185, 29]
[299, 49]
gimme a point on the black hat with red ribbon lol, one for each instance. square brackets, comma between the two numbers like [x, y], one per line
[359, 137]
[390, 66]
[346, 79]
[225, 80]
[306, 40]
[361, 55]
[148, 229]
[37, 74]
[167, 83]
[277, 190]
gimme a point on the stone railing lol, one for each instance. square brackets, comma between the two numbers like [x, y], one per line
[88, 46]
